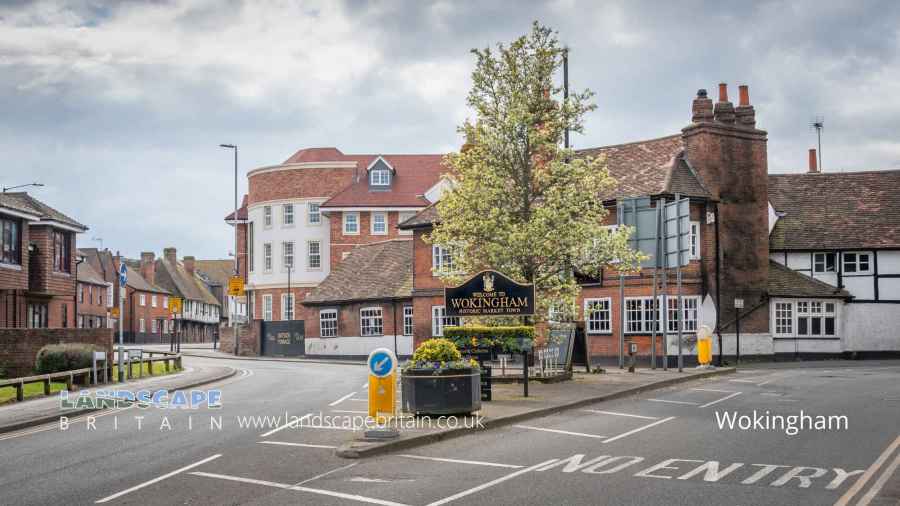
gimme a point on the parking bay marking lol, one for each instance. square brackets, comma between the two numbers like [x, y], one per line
[342, 399]
[674, 402]
[557, 431]
[491, 483]
[303, 445]
[633, 431]
[458, 461]
[614, 413]
[285, 426]
[708, 404]
[157, 479]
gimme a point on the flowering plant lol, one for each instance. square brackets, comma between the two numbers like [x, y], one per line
[439, 354]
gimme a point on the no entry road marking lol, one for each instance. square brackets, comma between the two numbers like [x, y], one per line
[614, 413]
[158, 479]
[858, 485]
[303, 445]
[633, 431]
[557, 431]
[708, 404]
[458, 461]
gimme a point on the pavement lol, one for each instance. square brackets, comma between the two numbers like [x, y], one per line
[659, 446]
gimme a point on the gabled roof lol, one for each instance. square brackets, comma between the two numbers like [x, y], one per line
[785, 282]
[847, 210]
[215, 272]
[376, 271]
[413, 176]
[102, 262]
[177, 280]
[21, 202]
[86, 274]
[424, 218]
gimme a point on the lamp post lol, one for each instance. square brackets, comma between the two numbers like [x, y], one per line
[5, 188]
[231, 299]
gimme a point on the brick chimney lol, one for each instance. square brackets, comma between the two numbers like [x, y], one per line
[148, 266]
[744, 113]
[188, 264]
[702, 108]
[171, 255]
[813, 165]
[724, 110]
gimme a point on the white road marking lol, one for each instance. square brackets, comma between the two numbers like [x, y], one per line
[489, 484]
[342, 399]
[304, 445]
[858, 484]
[713, 390]
[674, 402]
[358, 400]
[597, 411]
[326, 473]
[287, 486]
[326, 427]
[285, 426]
[158, 479]
[626, 434]
[457, 461]
[766, 382]
[876, 487]
[557, 431]
[53, 425]
[743, 381]
[708, 404]
[350, 411]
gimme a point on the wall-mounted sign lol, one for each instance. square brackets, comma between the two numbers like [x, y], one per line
[236, 286]
[739, 303]
[489, 293]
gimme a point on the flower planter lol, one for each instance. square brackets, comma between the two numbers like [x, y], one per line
[441, 391]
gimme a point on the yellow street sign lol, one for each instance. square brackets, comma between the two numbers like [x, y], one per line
[236, 286]
[114, 312]
[382, 383]
[175, 304]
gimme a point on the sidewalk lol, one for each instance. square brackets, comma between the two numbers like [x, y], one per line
[20, 415]
[509, 406]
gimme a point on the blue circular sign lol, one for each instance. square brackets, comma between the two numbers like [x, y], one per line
[381, 362]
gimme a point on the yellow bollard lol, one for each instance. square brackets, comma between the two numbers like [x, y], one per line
[704, 346]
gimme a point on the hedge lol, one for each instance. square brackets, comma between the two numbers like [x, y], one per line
[509, 339]
[64, 357]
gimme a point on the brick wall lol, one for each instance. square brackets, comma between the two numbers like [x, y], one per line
[15, 277]
[19, 347]
[341, 243]
[134, 312]
[297, 183]
[43, 278]
[248, 338]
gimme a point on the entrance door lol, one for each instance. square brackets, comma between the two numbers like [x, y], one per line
[284, 338]
[579, 351]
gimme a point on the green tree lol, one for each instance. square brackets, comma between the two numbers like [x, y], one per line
[518, 201]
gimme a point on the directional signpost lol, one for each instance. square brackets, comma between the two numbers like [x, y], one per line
[382, 365]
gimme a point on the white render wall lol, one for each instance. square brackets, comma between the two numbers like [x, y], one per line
[357, 346]
[871, 327]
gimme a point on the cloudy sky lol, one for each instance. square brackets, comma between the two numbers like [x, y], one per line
[119, 107]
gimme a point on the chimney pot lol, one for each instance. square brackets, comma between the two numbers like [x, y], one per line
[744, 92]
[723, 92]
[701, 108]
[813, 165]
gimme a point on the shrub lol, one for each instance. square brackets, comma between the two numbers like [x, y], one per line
[64, 357]
[508, 339]
[439, 353]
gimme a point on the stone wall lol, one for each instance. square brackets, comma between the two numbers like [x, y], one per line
[19, 347]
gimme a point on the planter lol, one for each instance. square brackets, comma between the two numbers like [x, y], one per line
[449, 392]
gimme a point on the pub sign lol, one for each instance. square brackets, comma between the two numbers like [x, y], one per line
[489, 293]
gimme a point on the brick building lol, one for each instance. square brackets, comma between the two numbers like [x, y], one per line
[37, 263]
[93, 296]
[199, 321]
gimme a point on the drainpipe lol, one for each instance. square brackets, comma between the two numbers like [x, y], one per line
[718, 287]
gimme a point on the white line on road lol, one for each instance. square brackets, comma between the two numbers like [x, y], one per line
[326, 427]
[304, 445]
[326, 473]
[876, 487]
[287, 486]
[55, 424]
[713, 390]
[489, 484]
[848, 495]
[358, 400]
[708, 404]
[156, 480]
[626, 434]
[342, 399]
[557, 431]
[350, 411]
[457, 461]
[674, 402]
[285, 426]
[743, 381]
[597, 411]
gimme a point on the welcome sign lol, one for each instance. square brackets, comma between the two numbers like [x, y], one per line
[489, 293]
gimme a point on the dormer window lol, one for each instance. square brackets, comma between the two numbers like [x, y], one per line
[380, 177]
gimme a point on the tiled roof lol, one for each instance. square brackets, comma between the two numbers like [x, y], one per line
[424, 218]
[847, 210]
[377, 271]
[241, 212]
[101, 261]
[22, 202]
[785, 282]
[316, 155]
[414, 175]
[87, 274]
[177, 280]
[216, 272]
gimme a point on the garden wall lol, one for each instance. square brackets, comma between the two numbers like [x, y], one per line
[19, 347]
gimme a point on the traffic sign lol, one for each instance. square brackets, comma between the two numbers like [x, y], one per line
[382, 364]
[175, 304]
[236, 286]
[114, 312]
[123, 275]
[739, 303]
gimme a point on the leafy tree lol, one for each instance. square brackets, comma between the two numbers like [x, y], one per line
[519, 202]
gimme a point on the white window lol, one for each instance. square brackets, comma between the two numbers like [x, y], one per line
[154, 326]
[287, 306]
[109, 296]
[379, 224]
[370, 321]
[142, 326]
[314, 254]
[267, 257]
[153, 300]
[407, 320]
[816, 318]
[441, 260]
[267, 216]
[689, 306]
[823, 262]
[287, 215]
[165, 302]
[695, 240]
[351, 223]
[439, 321]
[784, 318]
[403, 216]
[250, 247]
[856, 263]
[328, 323]
[313, 216]
[380, 177]
[267, 307]
[597, 316]
[143, 300]
[287, 255]
[641, 316]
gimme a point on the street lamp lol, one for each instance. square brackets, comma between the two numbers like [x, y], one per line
[5, 188]
[236, 271]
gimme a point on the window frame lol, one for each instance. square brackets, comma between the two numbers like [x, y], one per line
[409, 324]
[332, 332]
[380, 177]
[403, 216]
[439, 320]
[267, 217]
[267, 312]
[267, 257]
[250, 248]
[695, 240]
[153, 301]
[10, 241]
[441, 260]
[317, 255]
[287, 303]
[62, 251]
[287, 215]
[310, 213]
[285, 265]
[824, 262]
[345, 222]
[588, 320]
[372, 221]
[783, 319]
[367, 323]
[856, 263]
[142, 300]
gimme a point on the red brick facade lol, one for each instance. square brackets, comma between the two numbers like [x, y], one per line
[19, 347]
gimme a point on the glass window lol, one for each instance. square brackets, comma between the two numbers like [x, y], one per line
[143, 325]
[267, 216]
[165, 302]
[407, 320]
[695, 240]
[784, 318]
[370, 321]
[328, 323]
[441, 259]
[439, 321]
[597, 314]
[380, 177]
[10, 247]
[62, 242]
[287, 255]
[641, 316]
[379, 223]
[250, 247]
[314, 254]
[267, 257]
[854, 263]
[154, 326]
[287, 306]
[313, 215]
[153, 300]
[143, 300]
[267, 307]
[37, 315]
[287, 214]
[823, 262]
[351, 223]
